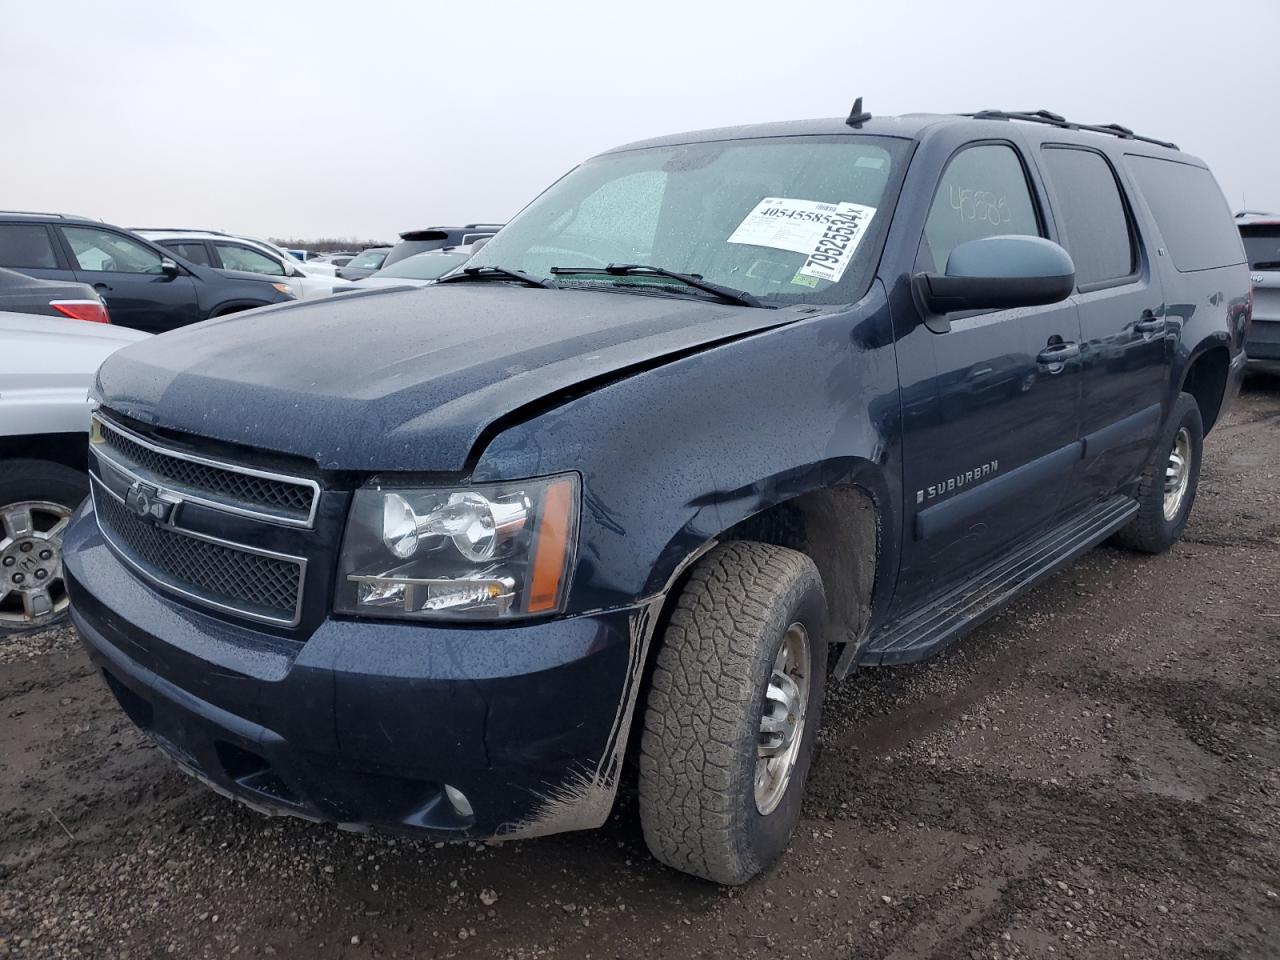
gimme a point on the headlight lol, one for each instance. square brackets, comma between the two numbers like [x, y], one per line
[484, 552]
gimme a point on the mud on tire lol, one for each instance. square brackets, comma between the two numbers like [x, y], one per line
[701, 734]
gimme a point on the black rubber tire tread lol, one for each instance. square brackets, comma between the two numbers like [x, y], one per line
[701, 724]
[1149, 532]
[40, 480]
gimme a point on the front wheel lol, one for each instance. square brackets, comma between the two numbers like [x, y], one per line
[733, 712]
[1167, 489]
[36, 502]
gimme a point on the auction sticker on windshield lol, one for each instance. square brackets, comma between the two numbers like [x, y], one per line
[827, 234]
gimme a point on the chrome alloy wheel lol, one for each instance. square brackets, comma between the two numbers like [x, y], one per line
[1177, 474]
[32, 590]
[782, 719]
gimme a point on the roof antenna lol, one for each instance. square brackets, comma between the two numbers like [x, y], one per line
[857, 116]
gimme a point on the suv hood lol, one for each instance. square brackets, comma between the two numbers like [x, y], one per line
[407, 379]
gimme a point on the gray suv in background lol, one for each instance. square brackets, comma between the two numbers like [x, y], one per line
[1261, 234]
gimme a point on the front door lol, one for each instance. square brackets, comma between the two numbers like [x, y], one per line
[991, 406]
[131, 281]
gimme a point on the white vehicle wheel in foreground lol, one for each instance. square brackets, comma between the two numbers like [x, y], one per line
[36, 502]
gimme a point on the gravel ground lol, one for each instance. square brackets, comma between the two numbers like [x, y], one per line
[1096, 773]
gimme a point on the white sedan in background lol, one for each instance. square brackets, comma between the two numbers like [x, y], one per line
[420, 270]
[47, 365]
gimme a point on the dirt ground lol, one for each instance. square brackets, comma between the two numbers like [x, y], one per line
[1096, 773]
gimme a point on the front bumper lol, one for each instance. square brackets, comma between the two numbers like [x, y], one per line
[366, 722]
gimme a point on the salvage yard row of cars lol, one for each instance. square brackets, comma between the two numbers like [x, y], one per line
[447, 561]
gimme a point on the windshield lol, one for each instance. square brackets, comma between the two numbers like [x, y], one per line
[788, 219]
[1262, 245]
[367, 260]
[424, 266]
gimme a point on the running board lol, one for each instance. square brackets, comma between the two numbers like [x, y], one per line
[922, 633]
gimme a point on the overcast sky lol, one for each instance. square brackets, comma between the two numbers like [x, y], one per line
[350, 119]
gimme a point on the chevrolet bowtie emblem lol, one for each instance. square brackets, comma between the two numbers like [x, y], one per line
[148, 502]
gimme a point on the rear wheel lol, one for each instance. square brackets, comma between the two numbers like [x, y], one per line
[1167, 490]
[36, 501]
[733, 712]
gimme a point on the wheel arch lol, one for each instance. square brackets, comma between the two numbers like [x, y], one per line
[235, 306]
[68, 449]
[1205, 377]
[838, 513]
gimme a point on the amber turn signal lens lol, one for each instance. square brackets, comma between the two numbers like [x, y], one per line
[552, 547]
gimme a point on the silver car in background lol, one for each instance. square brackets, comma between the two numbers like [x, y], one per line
[46, 367]
[1261, 235]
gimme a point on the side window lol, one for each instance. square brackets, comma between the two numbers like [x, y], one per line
[982, 193]
[26, 245]
[1192, 213]
[195, 252]
[236, 257]
[102, 250]
[1097, 231]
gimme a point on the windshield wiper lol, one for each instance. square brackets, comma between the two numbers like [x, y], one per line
[694, 280]
[495, 273]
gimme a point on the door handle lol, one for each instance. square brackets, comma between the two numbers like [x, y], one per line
[102, 286]
[1058, 353]
[1149, 323]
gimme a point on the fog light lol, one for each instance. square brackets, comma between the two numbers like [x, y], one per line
[458, 799]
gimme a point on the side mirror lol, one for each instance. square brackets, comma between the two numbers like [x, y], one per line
[169, 266]
[998, 273]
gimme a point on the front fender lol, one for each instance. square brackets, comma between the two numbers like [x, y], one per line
[671, 457]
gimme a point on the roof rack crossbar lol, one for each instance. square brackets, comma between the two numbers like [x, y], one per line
[220, 233]
[1056, 120]
[42, 213]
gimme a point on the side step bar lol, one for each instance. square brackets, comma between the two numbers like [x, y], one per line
[923, 632]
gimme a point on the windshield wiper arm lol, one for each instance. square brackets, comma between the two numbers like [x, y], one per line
[728, 294]
[491, 273]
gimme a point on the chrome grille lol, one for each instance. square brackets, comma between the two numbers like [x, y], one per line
[262, 586]
[236, 488]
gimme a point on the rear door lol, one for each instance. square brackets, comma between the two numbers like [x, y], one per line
[128, 275]
[991, 406]
[1127, 340]
[31, 248]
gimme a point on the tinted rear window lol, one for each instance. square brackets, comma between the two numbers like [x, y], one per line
[1096, 224]
[1192, 213]
[1262, 245]
[26, 245]
[195, 252]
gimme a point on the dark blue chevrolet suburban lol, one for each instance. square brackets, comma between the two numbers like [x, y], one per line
[717, 417]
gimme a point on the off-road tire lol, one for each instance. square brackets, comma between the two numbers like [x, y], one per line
[698, 749]
[1149, 531]
[22, 480]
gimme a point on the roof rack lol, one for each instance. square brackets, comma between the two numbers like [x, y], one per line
[177, 230]
[42, 213]
[1057, 120]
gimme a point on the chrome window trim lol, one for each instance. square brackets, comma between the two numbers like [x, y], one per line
[285, 520]
[163, 583]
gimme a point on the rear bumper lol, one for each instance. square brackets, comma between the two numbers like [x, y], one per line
[366, 723]
[1263, 340]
